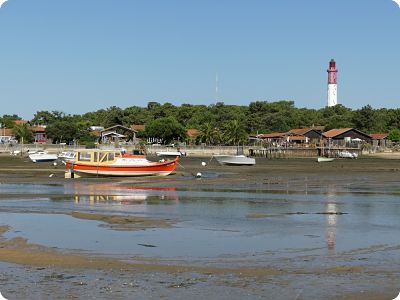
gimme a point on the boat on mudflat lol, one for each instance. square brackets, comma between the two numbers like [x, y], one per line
[240, 160]
[66, 155]
[42, 156]
[325, 159]
[94, 162]
[171, 153]
[347, 154]
[236, 160]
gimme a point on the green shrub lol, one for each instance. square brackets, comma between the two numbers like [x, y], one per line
[90, 145]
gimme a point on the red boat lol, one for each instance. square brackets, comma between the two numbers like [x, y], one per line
[117, 163]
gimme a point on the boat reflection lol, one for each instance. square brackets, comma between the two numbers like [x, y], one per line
[331, 226]
[123, 194]
[331, 218]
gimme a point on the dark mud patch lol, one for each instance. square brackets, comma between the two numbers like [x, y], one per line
[261, 216]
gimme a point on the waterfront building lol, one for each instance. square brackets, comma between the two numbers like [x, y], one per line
[39, 134]
[380, 139]
[117, 133]
[343, 136]
[312, 135]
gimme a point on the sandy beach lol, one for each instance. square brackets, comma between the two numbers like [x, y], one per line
[292, 272]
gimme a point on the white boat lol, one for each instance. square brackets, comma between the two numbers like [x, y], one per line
[171, 153]
[347, 154]
[240, 160]
[42, 156]
[325, 159]
[67, 155]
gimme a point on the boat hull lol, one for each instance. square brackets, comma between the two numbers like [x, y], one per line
[170, 153]
[42, 157]
[325, 159]
[238, 160]
[154, 169]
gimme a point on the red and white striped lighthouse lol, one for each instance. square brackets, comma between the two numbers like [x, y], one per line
[332, 83]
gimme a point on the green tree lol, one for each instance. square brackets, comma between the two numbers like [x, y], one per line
[168, 129]
[279, 116]
[185, 113]
[381, 121]
[83, 133]
[201, 114]
[155, 110]
[8, 121]
[45, 117]
[112, 116]
[224, 113]
[392, 118]
[136, 115]
[95, 118]
[23, 131]
[208, 133]
[364, 119]
[394, 135]
[337, 116]
[62, 131]
[234, 132]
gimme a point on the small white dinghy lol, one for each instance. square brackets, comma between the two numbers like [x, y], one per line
[325, 159]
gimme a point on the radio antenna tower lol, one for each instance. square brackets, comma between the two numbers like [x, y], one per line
[216, 88]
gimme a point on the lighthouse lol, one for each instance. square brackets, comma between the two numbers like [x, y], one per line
[332, 83]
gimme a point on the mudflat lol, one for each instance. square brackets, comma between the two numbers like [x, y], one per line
[278, 200]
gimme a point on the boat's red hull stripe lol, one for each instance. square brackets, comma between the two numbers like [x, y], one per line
[167, 167]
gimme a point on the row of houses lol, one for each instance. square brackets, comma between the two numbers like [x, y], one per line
[119, 132]
[105, 135]
[111, 134]
[315, 135]
[39, 135]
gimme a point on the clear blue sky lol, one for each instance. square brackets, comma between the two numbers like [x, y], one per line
[77, 56]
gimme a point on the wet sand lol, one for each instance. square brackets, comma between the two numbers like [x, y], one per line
[51, 273]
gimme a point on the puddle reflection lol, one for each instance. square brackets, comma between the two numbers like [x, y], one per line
[129, 195]
[331, 218]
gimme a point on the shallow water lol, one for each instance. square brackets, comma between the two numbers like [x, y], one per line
[208, 224]
[305, 226]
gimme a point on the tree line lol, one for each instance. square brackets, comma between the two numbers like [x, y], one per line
[217, 123]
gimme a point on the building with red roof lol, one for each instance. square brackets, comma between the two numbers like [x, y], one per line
[346, 135]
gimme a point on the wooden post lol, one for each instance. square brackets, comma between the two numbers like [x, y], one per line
[22, 144]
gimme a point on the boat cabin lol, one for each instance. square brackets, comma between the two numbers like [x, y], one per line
[97, 156]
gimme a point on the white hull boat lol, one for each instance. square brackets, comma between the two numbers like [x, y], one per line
[240, 160]
[66, 155]
[171, 153]
[347, 154]
[325, 159]
[42, 156]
